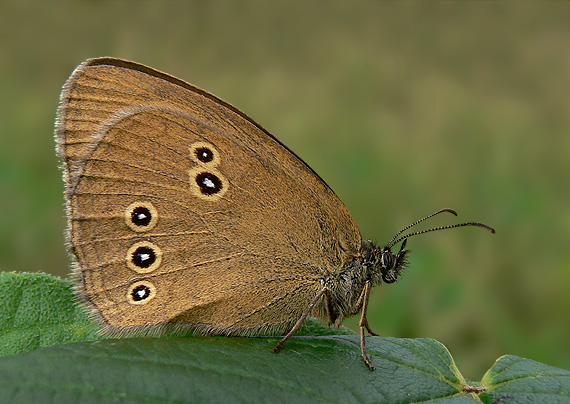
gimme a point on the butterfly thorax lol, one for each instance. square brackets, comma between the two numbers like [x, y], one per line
[345, 296]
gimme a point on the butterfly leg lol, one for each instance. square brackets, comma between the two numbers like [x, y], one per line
[364, 324]
[363, 300]
[301, 320]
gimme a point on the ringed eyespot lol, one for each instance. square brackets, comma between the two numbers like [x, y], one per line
[204, 154]
[144, 257]
[141, 292]
[141, 216]
[207, 184]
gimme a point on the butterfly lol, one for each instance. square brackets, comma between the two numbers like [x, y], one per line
[185, 214]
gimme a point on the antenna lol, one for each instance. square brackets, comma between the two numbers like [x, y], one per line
[452, 226]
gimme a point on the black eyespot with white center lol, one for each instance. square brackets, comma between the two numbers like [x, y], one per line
[208, 183]
[141, 216]
[204, 154]
[140, 292]
[144, 257]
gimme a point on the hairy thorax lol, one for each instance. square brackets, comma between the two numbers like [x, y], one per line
[344, 296]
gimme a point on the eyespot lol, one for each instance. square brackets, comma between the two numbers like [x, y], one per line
[204, 154]
[207, 184]
[141, 292]
[141, 216]
[144, 257]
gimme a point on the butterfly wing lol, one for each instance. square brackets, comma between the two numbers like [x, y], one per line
[184, 211]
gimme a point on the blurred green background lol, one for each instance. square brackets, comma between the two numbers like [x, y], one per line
[402, 107]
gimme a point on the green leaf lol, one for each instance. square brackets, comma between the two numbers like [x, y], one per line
[325, 369]
[525, 381]
[38, 310]
[217, 369]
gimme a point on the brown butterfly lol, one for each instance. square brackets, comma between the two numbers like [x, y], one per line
[186, 214]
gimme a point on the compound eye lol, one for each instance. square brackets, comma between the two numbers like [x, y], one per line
[387, 261]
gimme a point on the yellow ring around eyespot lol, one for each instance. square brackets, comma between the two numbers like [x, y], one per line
[157, 253]
[216, 155]
[149, 285]
[195, 189]
[153, 216]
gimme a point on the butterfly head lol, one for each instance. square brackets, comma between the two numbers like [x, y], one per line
[382, 264]
[387, 265]
[392, 265]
